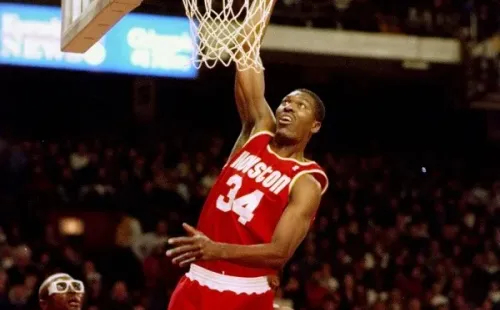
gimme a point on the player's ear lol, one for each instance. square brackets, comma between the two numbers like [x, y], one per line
[315, 127]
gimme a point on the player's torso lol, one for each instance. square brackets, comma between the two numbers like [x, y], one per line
[246, 203]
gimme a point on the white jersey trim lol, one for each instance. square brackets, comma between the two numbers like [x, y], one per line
[220, 282]
[302, 163]
[258, 133]
[311, 171]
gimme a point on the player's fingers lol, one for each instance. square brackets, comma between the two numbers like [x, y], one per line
[187, 262]
[183, 249]
[190, 229]
[181, 240]
[189, 256]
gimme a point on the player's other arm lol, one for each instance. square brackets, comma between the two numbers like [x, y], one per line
[249, 89]
[289, 233]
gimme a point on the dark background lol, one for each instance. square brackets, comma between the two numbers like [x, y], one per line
[383, 125]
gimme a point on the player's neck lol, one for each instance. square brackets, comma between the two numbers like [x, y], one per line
[295, 151]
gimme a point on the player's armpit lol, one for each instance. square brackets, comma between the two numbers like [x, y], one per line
[289, 233]
[242, 139]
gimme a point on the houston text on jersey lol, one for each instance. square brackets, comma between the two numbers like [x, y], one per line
[256, 169]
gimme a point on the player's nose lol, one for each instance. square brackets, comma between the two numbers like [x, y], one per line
[288, 107]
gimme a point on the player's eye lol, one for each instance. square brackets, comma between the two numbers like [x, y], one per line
[61, 286]
[76, 286]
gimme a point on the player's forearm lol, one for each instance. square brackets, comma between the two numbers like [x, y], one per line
[267, 255]
[249, 95]
[275, 254]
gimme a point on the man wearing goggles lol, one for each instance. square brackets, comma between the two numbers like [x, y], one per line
[61, 292]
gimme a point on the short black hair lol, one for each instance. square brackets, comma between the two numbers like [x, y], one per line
[320, 111]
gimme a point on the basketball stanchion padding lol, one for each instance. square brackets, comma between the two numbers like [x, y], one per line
[84, 22]
[228, 31]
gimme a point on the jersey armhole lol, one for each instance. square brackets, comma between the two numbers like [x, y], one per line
[250, 139]
[318, 175]
[258, 134]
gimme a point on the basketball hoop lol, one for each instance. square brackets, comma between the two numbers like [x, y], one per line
[228, 31]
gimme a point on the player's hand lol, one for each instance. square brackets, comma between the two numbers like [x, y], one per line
[273, 281]
[196, 246]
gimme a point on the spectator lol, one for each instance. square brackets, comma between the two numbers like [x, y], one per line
[59, 291]
[378, 242]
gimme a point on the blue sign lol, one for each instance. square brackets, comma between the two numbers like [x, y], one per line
[139, 44]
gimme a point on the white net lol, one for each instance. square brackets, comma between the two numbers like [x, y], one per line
[228, 31]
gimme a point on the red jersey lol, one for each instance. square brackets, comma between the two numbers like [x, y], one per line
[248, 198]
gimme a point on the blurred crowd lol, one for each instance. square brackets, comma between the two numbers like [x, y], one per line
[464, 19]
[150, 188]
[390, 234]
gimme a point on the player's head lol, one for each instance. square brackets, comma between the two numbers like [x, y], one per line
[61, 292]
[299, 115]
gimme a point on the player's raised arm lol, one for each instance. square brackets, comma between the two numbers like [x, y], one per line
[249, 88]
[289, 233]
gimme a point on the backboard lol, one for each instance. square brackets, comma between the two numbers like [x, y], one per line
[84, 22]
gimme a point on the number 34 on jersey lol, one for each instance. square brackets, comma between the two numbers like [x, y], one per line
[253, 168]
[243, 206]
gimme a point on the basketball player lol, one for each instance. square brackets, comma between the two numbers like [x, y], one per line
[260, 208]
[61, 292]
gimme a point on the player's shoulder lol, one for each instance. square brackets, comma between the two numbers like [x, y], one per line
[311, 172]
[258, 140]
[308, 182]
[297, 165]
[261, 135]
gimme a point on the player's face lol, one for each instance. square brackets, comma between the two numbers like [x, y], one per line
[295, 116]
[69, 300]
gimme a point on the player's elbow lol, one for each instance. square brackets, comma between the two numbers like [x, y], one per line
[279, 263]
[276, 263]
[280, 258]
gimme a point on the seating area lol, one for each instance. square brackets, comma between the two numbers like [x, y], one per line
[389, 235]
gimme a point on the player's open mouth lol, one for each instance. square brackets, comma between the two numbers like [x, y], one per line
[74, 302]
[285, 119]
